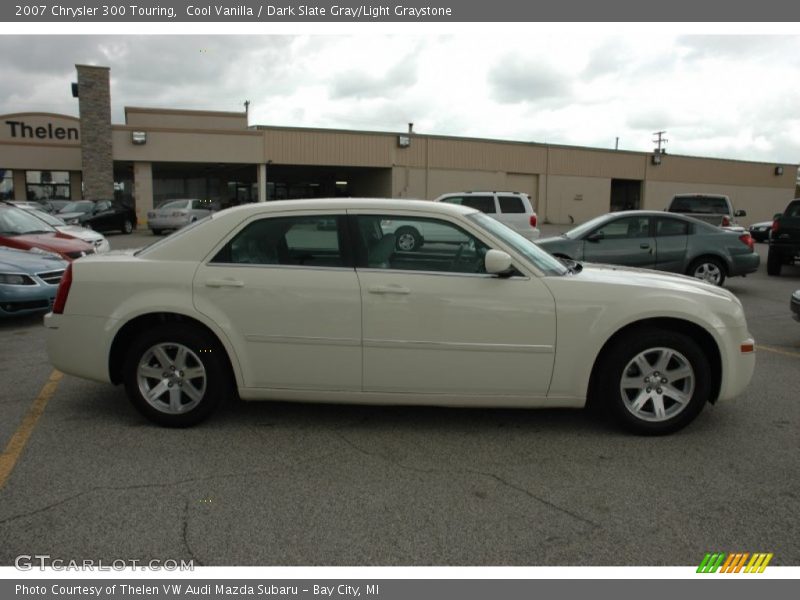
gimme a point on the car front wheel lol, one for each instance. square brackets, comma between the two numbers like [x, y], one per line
[127, 226]
[175, 376]
[407, 239]
[655, 382]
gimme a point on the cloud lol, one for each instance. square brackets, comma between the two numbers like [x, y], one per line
[513, 80]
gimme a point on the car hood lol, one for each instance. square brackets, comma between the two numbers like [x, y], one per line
[634, 277]
[20, 260]
[53, 242]
[88, 235]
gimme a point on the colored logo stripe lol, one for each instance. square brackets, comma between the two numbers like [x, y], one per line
[734, 562]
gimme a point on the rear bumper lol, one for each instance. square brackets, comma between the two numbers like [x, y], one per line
[745, 263]
[69, 355]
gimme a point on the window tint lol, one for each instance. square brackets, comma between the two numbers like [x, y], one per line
[103, 205]
[627, 227]
[666, 227]
[793, 210]
[482, 203]
[700, 204]
[511, 204]
[417, 244]
[307, 240]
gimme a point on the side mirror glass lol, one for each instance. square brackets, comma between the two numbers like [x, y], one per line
[740, 213]
[497, 262]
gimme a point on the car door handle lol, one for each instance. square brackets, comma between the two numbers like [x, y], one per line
[388, 289]
[217, 283]
[644, 246]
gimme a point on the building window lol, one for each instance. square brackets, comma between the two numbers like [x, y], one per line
[6, 184]
[47, 185]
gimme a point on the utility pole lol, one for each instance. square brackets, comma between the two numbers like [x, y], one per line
[660, 139]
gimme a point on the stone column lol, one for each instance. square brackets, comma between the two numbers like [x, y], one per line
[262, 182]
[94, 101]
[142, 190]
[20, 185]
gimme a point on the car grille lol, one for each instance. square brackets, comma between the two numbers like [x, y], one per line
[51, 277]
[11, 307]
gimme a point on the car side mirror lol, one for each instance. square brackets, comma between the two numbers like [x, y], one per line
[740, 213]
[497, 262]
[595, 237]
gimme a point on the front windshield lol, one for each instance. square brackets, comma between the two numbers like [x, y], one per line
[81, 206]
[542, 260]
[581, 230]
[15, 221]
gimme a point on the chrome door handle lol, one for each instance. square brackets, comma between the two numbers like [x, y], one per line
[644, 246]
[217, 283]
[388, 289]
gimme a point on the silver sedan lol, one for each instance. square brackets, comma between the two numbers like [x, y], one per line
[175, 214]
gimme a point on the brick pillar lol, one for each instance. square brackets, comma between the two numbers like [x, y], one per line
[94, 101]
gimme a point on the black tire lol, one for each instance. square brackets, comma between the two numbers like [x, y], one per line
[127, 226]
[157, 231]
[203, 355]
[774, 262]
[708, 268]
[407, 239]
[678, 350]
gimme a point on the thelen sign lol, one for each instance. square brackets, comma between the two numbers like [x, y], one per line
[42, 128]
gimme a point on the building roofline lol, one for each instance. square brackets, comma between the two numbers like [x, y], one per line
[181, 111]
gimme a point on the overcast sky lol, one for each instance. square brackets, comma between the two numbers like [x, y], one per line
[734, 96]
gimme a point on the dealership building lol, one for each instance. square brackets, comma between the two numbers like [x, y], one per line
[160, 154]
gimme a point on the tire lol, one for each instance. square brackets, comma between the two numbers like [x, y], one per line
[774, 262]
[709, 269]
[154, 362]
[407, 239]
[631, 381]
[127, 226]
[157, 231]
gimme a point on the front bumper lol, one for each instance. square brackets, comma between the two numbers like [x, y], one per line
[738, 364]
[17, 300]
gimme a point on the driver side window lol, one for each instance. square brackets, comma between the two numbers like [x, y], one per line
[417, 244]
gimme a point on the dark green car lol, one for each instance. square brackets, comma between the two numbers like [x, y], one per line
[659, 240]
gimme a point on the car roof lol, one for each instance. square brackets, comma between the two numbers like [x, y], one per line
[351, 203]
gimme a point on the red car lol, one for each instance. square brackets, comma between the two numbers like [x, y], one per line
[21, 230]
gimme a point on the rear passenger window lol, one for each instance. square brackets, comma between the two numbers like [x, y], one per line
[511, 204]
[310, 241]
[667, 227]
[485, 204]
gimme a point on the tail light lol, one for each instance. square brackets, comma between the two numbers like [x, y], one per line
[747, 240]
[726, 222]
[63, 291]
[534, 220]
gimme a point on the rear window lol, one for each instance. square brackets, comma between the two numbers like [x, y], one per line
[714, 205]
[485, 204]
[793, 210]
[511, 204]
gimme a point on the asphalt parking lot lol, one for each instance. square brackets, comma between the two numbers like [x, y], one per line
[296, 484]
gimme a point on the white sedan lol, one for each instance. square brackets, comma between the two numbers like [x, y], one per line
[98, 240]
[261, 301]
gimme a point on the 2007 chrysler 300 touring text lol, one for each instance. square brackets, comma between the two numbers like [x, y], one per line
[261, 301]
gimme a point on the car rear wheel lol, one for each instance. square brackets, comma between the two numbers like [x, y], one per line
[774, 262]
[709, 269]
[655, 382]
[127, 226]
[175, 375]
[407, 239]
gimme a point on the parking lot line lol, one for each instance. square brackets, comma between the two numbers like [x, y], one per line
[14, 448]
[778, 351]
